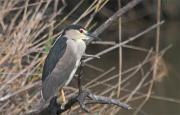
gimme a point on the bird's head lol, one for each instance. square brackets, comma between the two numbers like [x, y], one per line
[77, 32]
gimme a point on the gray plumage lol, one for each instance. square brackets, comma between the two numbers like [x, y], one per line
[55, 53]
[61, 65]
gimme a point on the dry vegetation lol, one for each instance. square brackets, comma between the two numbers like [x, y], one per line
[27, 30]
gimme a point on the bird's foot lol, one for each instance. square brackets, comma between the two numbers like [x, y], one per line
[63, 105]
[81, 99]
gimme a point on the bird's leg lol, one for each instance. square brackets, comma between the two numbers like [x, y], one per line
[82, 94]
[61, 98]
[79, 79]
[81, 99]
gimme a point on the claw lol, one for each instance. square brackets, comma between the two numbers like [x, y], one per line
[81, 100]
[83, 107]
[63, 106]
[61, 99]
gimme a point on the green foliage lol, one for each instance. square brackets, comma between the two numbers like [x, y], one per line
[48, 45]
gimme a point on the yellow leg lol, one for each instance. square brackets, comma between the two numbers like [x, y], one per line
[61, 98]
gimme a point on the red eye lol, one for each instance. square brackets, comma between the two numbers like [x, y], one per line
[81, 30]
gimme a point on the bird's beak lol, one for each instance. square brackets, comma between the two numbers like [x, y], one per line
[90, 38]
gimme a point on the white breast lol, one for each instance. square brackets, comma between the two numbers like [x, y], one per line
[73, 72]
[79, 48]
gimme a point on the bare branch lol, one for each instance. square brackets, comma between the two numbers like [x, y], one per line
[55, 109]
[125, 42]
[119, 13]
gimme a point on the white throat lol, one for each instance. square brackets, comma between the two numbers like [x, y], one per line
[75, 35]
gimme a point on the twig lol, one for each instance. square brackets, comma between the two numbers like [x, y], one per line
[157, 97]
[103, 42]
[119, 13]
[106, 100]
[37, 84]
[120, 52]
[125, 42]
[142, 80]
[90, 83]
[155, 66]
[94, 67]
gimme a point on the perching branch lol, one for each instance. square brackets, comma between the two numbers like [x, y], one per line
[84, 97]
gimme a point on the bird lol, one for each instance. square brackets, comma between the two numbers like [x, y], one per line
[62, 62]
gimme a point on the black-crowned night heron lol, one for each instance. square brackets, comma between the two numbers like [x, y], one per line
[62, 62]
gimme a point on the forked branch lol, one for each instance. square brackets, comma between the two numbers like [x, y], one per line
[84, 98]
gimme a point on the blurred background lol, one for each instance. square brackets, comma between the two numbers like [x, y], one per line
[28, 28]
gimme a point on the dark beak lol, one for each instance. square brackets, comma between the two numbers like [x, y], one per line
[91, 38]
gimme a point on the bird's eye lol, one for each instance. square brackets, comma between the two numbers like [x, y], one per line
[81, 30]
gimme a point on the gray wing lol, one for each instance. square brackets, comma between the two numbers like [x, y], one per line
[55, 53]
[60, 71]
